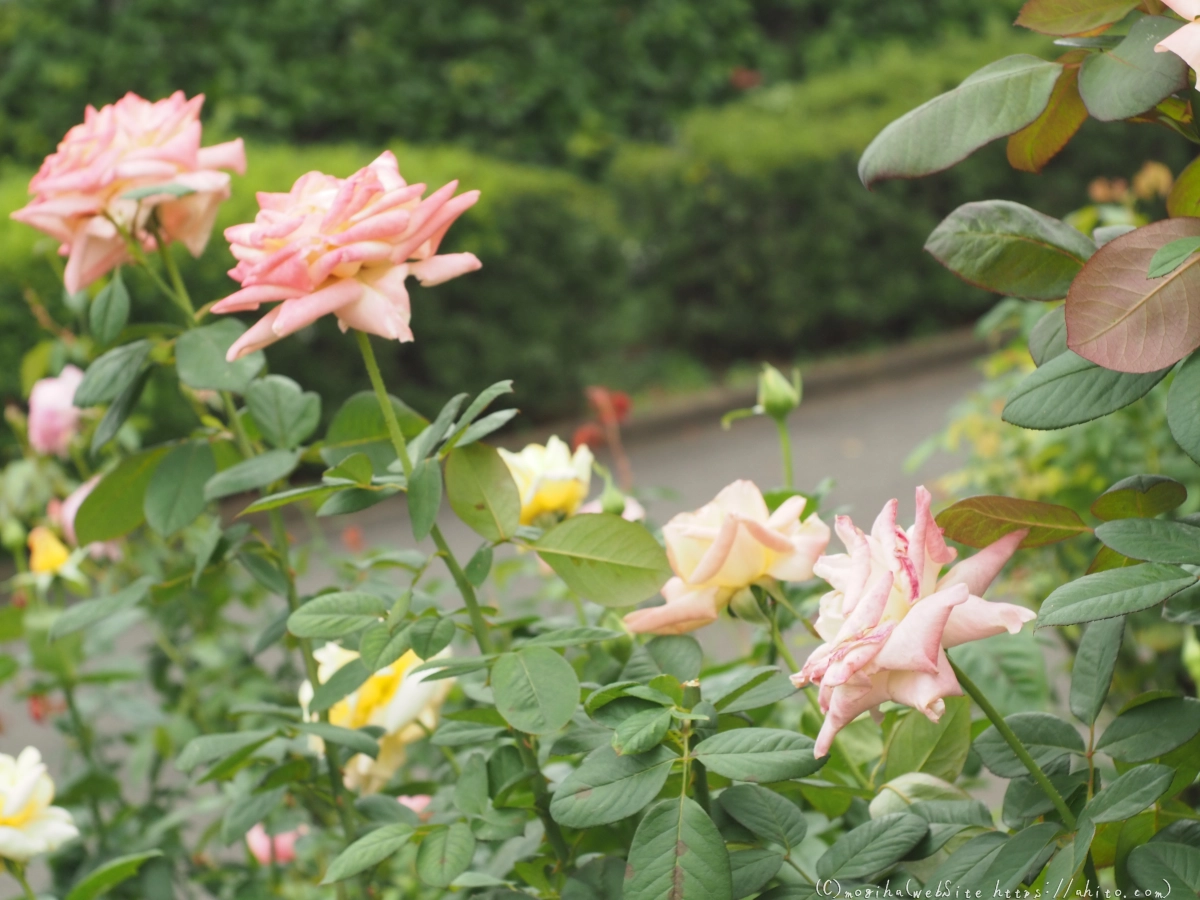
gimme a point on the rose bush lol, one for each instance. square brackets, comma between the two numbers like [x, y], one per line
[304, 722]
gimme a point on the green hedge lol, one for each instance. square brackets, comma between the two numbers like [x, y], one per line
[749, 236]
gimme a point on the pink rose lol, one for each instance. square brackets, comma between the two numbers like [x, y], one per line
[63, 515]
[343, 246]
[53, 417]
[1185, 42]
[279, 848]
[418, 803]
[892, 614]
[133, 143]
[726, 546]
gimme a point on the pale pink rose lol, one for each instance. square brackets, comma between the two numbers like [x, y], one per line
[279, 848]
[343, 246]
[892, 614]
[133, 143]
[1185, 42]
[418, 803]
[726, 546]
[62, 513]
[53, 416]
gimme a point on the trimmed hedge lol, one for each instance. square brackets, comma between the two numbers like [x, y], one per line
[748, 237]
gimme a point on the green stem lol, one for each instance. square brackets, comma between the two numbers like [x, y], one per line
[17, 870]
[235, 423]
[553, 833]
[84, 735]
[478, 625]
[1018, 748]
[181, 291]
[785, 447]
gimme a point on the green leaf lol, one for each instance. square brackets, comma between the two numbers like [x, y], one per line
[250, 474]
[471, 787]
[114, 507]
[91, 612]
[1013, 666]
[1122, 320]
[873, 847]
[175, 495]
[352, 500]
[482, 492]
[200, 358]
[358, 741]
[999, 99]
[677, 852]
[1183, 407]
[607, 788]
[479, 566]
[358, 427]
[265, 571]
[317, 492]
[1170, 257]
[764, 812]
[1066, 17]
[752, 869]
[1024, 852]
[109, 311]
[105, 877]
[485, 426]
[1114, 592]
[1129, 793]
[118, 411]
[445, 854]
[536, 690]
[1139, 496]
[754, 689]
[285, 414]
[208, 748]
[343, 682]
[642, 731]
[111, 373]
[478, 405]
[368, 851]
[1151, 729]
[978, 521]
[1049, 336]
[379, 647]
[1166, 869]
[1046, 737]
[1010, 249]
[677, 654]
[937, 748]
[1153, 540]
[430, 635]
[1069, 390]
[572, 637]
[336, 615]
[424, 497]
[427, 441]
[1183, 607]
[1131, 78]
[1092, 673]
[758, 754]
[966, 865]
[606, 559]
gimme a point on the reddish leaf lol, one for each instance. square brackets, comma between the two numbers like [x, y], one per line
[1036, 144]
[977, 521]
[1064, 17]
[1122, 320]
[1139, 497]
[1107, 559]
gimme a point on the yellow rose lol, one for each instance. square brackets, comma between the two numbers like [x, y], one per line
[47, 554]
[403, 705]
[29, 825]
[551, 480]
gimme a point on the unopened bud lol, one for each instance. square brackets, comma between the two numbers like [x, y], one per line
[745, 606]
[777, 396]
[12, 535]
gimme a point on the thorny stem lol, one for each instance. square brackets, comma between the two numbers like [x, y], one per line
[1018, 748]
[478, 625]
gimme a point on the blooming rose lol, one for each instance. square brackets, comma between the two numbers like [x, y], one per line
[1184, 42]
[726, 546]
[892, 614]
[46, 552]
[279, 848]
[551, 480]
[133, 143]
[343, 246]
[62, 513]
[29, 825]
[397, 702]
[53, 416]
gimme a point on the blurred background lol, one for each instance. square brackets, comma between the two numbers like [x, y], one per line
[669, 187]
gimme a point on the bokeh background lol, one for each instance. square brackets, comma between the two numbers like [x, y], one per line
[669, 187]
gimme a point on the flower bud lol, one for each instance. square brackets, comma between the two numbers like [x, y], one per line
[745, 606]
[777, 396]
[12, 535]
